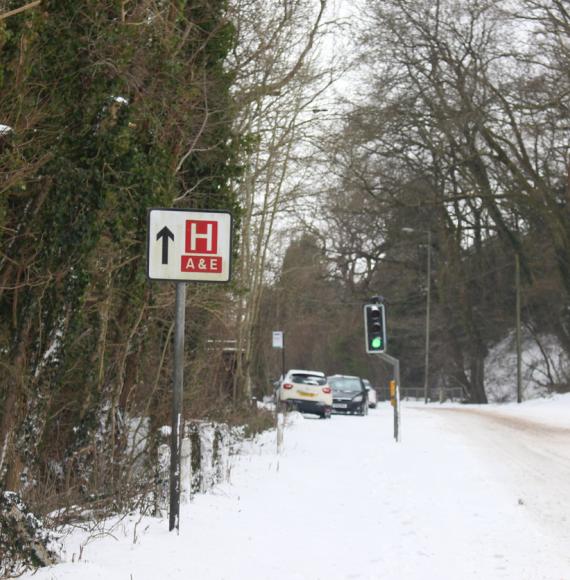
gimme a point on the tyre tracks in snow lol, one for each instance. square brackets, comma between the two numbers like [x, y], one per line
[530, 457]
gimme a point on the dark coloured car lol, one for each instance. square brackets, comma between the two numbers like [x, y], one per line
[349, 394]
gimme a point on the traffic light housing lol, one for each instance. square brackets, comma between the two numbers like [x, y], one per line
[375, 328]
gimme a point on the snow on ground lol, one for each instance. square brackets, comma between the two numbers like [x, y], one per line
[554, 410]
[530, 456]
[456, 499]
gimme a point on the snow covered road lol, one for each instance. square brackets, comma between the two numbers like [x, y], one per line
[530, 457]
[466, 494]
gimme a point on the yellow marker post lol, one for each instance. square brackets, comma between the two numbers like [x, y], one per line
[395, 402]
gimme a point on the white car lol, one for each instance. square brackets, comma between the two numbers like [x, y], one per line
[306, 391]
[372, 398]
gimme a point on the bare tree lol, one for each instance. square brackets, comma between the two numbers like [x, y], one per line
[277, 82]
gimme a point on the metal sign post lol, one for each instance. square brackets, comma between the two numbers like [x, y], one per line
[177, 390]
[185, 246]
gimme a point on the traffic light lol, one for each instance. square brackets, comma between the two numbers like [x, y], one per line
[375, 328]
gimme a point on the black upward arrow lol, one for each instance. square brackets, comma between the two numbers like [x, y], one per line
[165, 233]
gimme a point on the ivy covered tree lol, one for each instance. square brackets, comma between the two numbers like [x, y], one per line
[113, 107]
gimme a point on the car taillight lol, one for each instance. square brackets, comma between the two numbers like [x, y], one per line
[287, 386]
[327, 390]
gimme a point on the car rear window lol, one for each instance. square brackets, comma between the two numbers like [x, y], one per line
[348, 384]
[308, 379]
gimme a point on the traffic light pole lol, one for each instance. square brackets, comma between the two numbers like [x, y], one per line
[176, 425]
[396, 366]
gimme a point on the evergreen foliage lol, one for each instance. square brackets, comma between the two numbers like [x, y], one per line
[115, 107]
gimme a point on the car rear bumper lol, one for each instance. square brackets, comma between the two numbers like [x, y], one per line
[343, 406]
[316, 407]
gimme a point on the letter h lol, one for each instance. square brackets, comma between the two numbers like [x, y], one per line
[201, 237]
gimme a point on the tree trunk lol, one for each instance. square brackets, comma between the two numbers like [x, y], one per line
[477, 386]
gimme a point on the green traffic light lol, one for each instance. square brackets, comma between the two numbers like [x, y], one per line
[376, 342]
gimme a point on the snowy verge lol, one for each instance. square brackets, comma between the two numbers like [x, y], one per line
[553, 410]
[344, 501]
[544, 366]
[126, 546]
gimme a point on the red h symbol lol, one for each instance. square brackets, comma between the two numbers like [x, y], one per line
[201, 237]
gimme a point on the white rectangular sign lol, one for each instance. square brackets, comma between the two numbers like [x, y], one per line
[277, 339]
[189, 245]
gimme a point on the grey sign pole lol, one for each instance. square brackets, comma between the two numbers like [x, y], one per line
[177, 422]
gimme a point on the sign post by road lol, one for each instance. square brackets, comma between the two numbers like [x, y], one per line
[185, 246]
[278, 341]
[189, 245]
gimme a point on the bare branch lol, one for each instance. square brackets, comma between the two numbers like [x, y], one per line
[21, 9]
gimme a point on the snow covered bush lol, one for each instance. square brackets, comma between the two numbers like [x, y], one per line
[545, 368]
[206, 452]
[24, 541]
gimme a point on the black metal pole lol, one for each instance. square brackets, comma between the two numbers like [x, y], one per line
[177, 389]
[428, 307]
